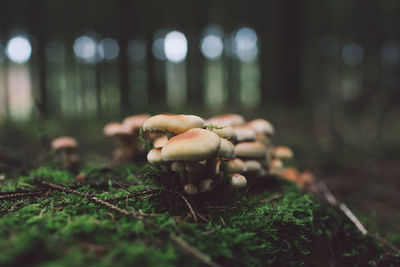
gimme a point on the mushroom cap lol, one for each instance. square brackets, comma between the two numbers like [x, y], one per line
[236, 165]
[173, 123]
[206, 185]
[154, 156]
[134, 122]
[245, 133]
[160, 141]
[226, 149]
[178, 166]
[115, 128]
[261, 125]
[195, 144]
[190, 189]
[252, 165]
[254, 149]
[225, 132]
[64, 142]
[238, 180]
[290, 174]
[226, 120]
[282, 152]
[275, 166]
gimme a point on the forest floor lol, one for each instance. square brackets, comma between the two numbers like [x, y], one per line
[368, 185]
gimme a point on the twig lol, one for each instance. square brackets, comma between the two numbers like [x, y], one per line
[271, 199]
[178, 241]
[189, 206]
[134, 194]
[22, 191]
[21, 195]
[386, 243]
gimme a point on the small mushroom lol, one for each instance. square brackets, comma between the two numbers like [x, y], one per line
[282, 152]
[190, 189]
[206, 185]
[238, 181]
[124, 151]
[154, 157]
[226, 120]
[66, 149]
[251, 150]
[160, 141]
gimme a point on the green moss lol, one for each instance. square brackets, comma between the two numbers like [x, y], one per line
[235, 228]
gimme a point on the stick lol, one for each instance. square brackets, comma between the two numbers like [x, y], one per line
[178, 241]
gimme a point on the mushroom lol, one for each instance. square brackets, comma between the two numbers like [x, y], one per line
[262, 126]
[172, 124]
[160, 141]
[245, 133]
[225, 132]
[282, 152]
[238, 181]
[275, 166]
[154, 157]
[226, 120]
[206, 185]
[124, 151]
[65, 147]
[254, 149]
[133, 125]
[236, 165]
[192, 146]
[190, 189]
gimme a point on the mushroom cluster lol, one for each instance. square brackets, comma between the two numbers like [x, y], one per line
[196, 149]
[126, 135]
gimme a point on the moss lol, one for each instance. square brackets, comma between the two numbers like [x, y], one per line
[236, 228]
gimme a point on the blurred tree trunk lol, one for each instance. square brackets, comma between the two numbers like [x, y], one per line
[125, 14]
[292, 41]
[4, 35]
[38, 24]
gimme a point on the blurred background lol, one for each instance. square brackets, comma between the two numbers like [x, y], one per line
[325, 73]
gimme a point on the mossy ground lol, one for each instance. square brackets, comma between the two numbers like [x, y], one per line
[269, 223]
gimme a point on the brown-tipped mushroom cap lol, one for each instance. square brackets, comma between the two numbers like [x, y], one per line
[282, 152]
[226, 120]
[133, 123]
[275, 166]
[173, 123]
[290, 174]
[225, 132]
[238, 180]
[236, 165]
[115, 128]
[263, 126]
[190, 189]
[244, 133]
[195, 144]
[252, 166]
[226, 149]
[253, 149]
[160, 141]
[154, 156]
[64, 142]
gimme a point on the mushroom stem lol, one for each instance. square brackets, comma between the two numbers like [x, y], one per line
[211, 165]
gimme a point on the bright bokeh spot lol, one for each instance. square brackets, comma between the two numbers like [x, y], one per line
[137, 50]
[55, 52]
[175, 46]
[85, 49]
[108, 49]
[352, 54]
[246, 44]
[158, 49]
[390, 53]
[19, 49]
[212, 46]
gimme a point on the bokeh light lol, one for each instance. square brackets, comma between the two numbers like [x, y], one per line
[212, 45]
[55, 52]
[19, 49]
[108, 49]
[137, 50]
[175, 46]
[85, 49]
[246, 44]
[352, 54]
[390, 53]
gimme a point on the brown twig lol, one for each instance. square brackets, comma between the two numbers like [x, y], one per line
[192, 212]
[271, 199]
[134, 194]
[139, 216]
[21, 195]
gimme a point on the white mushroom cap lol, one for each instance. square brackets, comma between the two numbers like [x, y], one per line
[154, 156]
[64, 142]
[236, 165]
[206, 185]
[193, 145]
[282, 152]
[226, 120]
[253, 149]
[190, 189]
[173, 123]
[252, 166]
[238, 181]
[226, 149]
[225, 132]
[115, 129]
[263, 126]
[244, 133]
[133, 123]
[160, 141]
